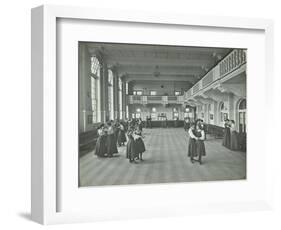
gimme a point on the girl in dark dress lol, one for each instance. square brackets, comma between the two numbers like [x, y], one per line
[131, 146]
[116, 130]
[110, 141]
[226, 137]
[121, 135]
[140, 124]
[233, 137]
[196, 146]
[192, 143]
[100, 149]
[139, 144]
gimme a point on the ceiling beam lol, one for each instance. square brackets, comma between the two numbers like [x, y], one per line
[160, 62]
[163, 70]
[141, 77]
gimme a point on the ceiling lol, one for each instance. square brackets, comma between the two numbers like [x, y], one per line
[163, 63]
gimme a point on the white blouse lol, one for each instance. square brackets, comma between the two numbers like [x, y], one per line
[193, 136]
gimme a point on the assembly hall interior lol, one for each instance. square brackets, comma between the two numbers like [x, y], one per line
[163, 92]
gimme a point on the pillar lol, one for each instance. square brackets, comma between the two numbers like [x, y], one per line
[84, 87]
[104, 91]
[124, 100]
[231, 107]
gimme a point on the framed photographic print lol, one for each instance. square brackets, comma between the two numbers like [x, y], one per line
[110, 125]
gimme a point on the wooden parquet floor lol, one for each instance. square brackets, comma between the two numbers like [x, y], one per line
[165, 161]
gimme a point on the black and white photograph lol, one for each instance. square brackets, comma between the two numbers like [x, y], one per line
[152, 114]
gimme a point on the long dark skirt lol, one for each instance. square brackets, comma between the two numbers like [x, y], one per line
[121, 137]
[200, 148]
[196, 148]
[234, 141]
[139, 146]
[226, 138]
[111, 145]
[192, 148]
[116, 133]
[100, 149]
[130, 148]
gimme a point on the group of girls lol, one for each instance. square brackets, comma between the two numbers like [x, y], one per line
[114, 133]
[110, 135]
[230, 138]
[196, 146]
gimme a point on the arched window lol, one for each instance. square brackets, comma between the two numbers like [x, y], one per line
[110, 95]
[223, 112]
[120, 98]
[95, 89]
[242, 106]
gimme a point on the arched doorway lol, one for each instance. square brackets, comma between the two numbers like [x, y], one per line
[242, 120]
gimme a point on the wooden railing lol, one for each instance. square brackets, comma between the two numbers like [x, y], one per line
[230, 63]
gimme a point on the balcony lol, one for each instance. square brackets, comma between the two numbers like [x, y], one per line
[164, 100]
[234, 61]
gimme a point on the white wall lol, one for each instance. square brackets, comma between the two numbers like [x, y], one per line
[15, 114]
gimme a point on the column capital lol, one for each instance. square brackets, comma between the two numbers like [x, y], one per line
[124, 78]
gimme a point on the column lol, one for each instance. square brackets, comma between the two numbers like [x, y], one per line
[231, 109]
[216, 114]
[104, 90]
[84, 87]
[124, 100]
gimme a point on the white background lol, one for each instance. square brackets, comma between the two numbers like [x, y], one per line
[15, 114]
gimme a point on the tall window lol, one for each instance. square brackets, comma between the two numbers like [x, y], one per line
[120, 98]
[223, 112]
[127, 88]
[127, 111]
[153, 114]
[95, 83]
[153, 93]
[177, 93]
[242, 116]
[110, 95]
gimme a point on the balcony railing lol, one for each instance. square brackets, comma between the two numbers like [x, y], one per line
[230, 63]
[133, 99]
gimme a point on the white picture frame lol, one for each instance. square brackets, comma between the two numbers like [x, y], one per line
[46, 181]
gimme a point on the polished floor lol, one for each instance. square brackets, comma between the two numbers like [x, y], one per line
[165, 161]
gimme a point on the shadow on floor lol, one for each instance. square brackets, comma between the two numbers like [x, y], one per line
[25, 215]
